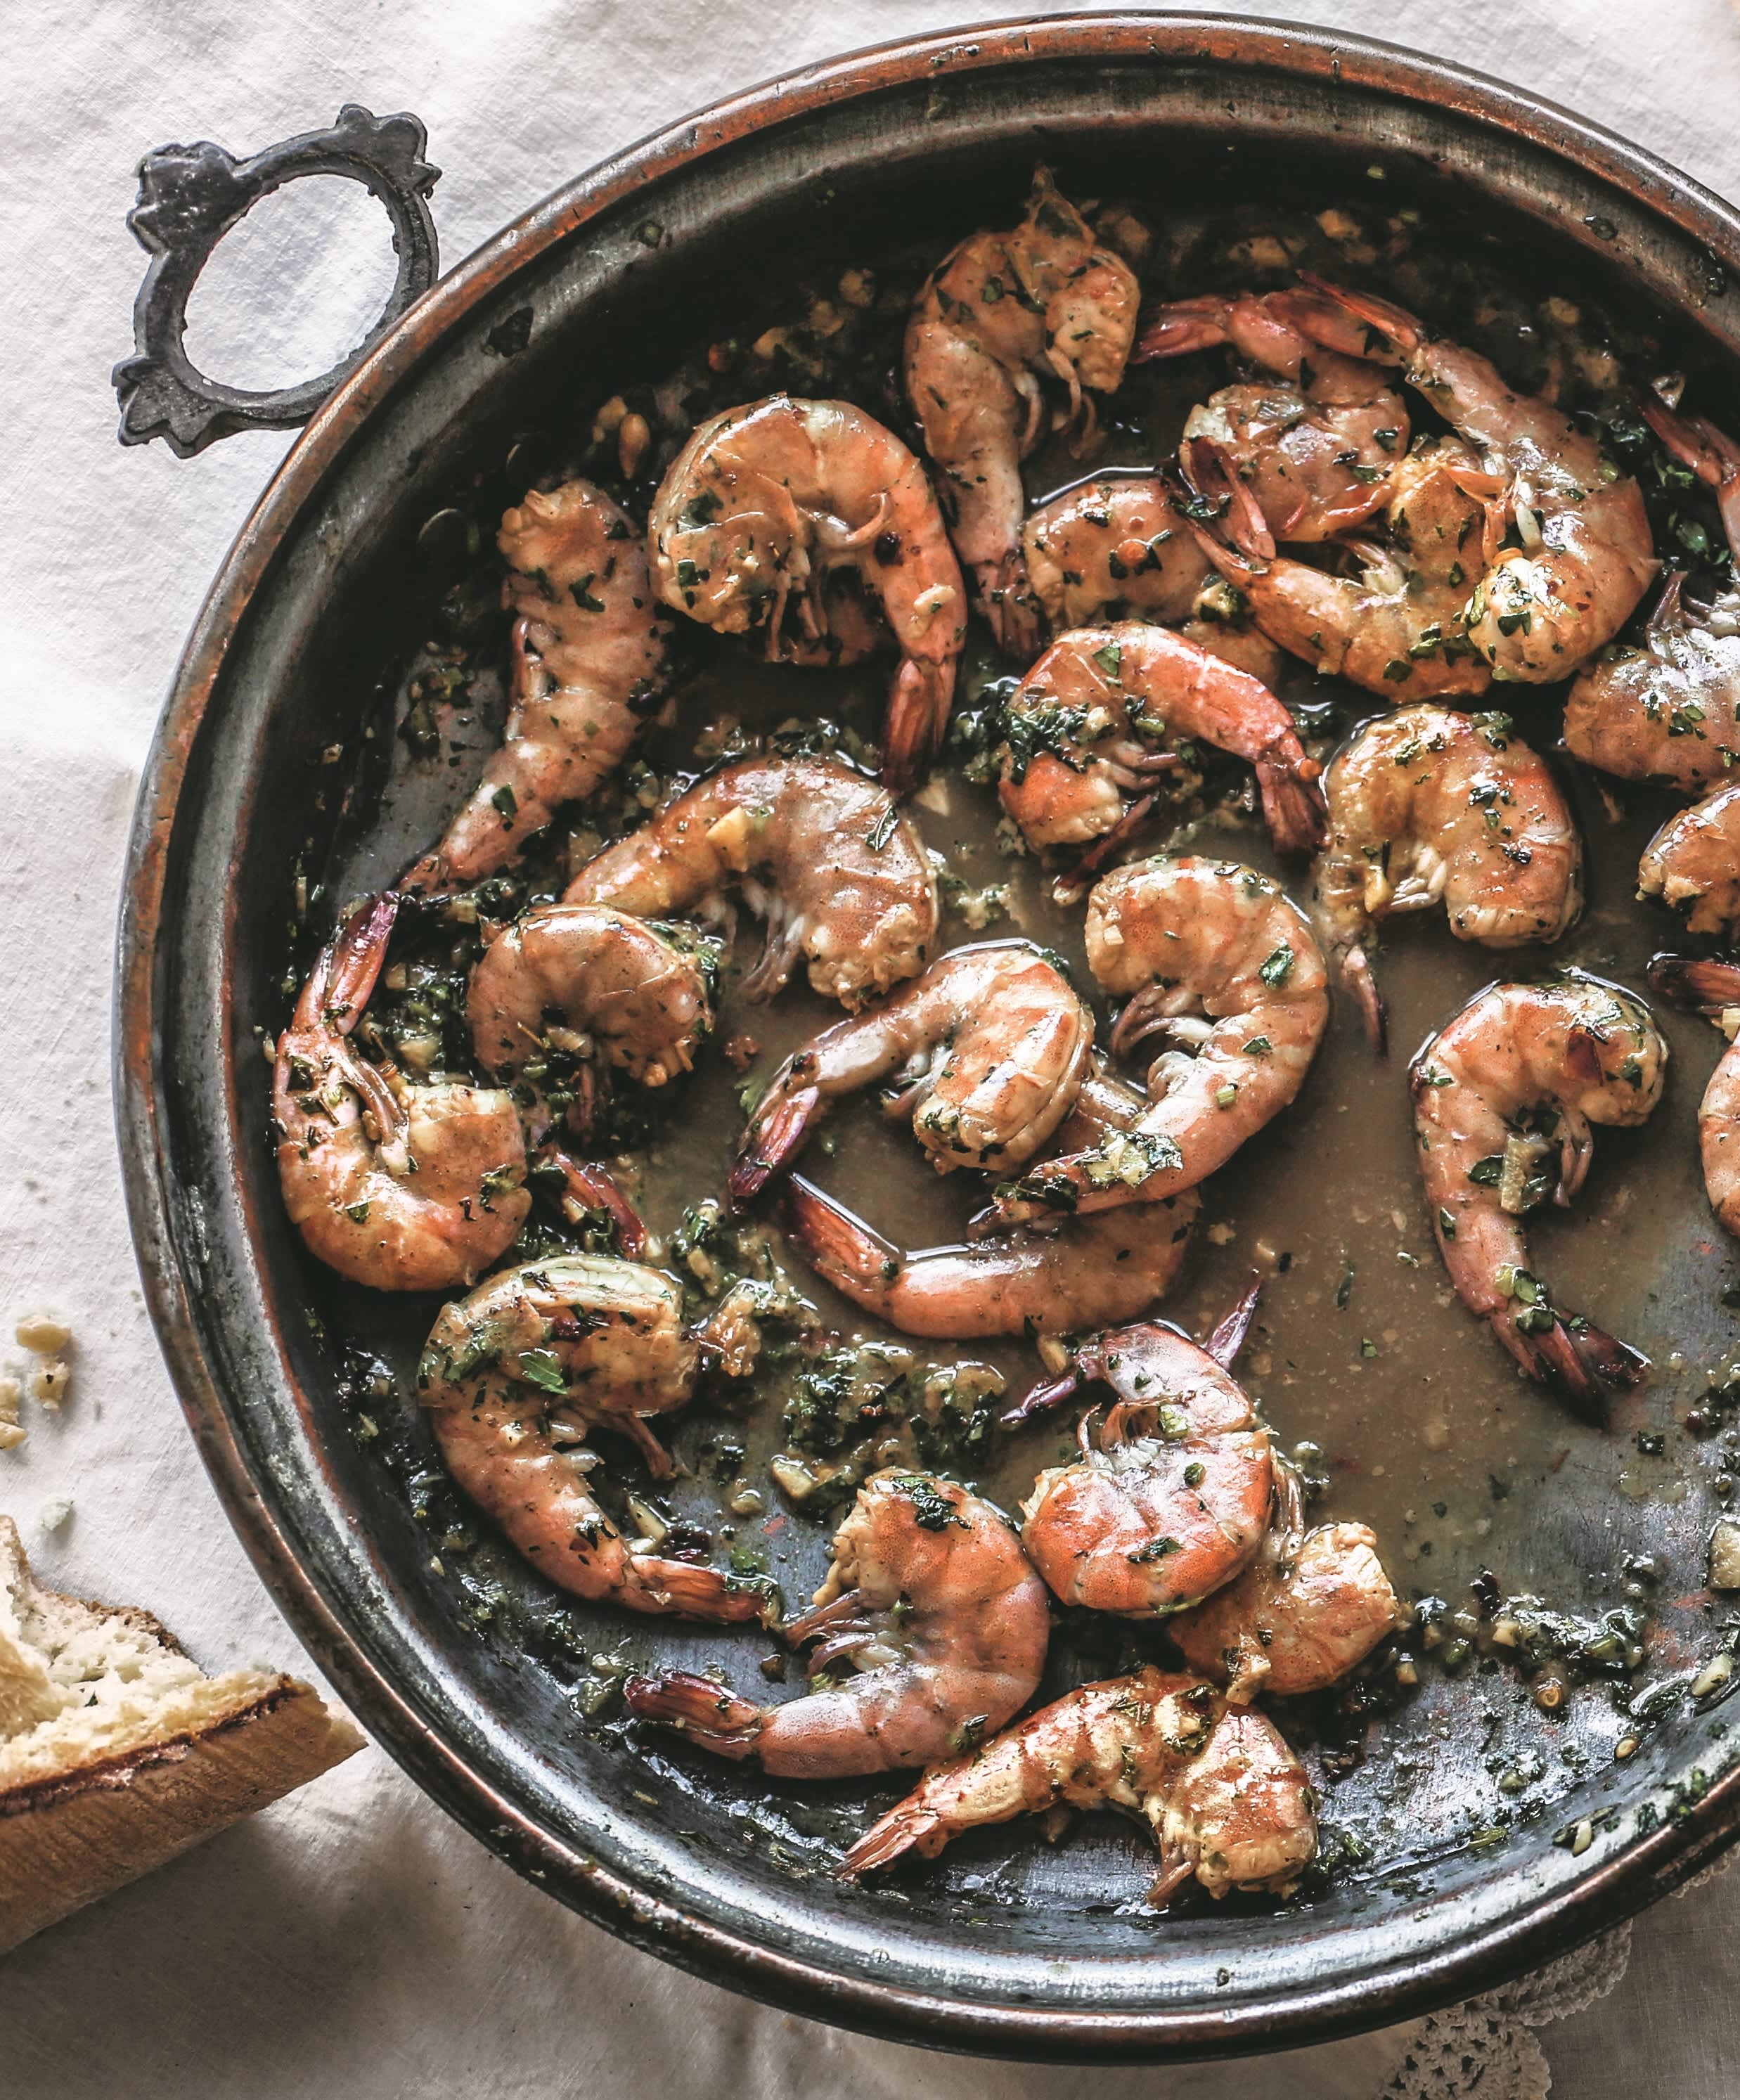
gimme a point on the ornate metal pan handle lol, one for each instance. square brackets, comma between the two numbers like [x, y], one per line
[189, 197]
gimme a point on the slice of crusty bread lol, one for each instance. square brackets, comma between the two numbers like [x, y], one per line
[116, 1752]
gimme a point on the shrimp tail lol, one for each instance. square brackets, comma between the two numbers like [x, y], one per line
[1292, 804]
[1582, 1363]
[357, 957]
[1396, 328]
[1699, 983]
[773, 1143]
[841, 1249]
[1211, 475]
[918, 704]
[1357, 977]
[703, 1710]
[1229, 1336]
[905, 1826]
[1069, 889]
[1048, 1394]
[1711, 453]
[587, 1189]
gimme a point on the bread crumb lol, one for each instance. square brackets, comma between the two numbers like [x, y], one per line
[48, 1382]
[43, 1335]
[11, 1398]
[12, 1435]
[52, 1514]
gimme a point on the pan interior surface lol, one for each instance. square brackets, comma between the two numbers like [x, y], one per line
[1445, 1880]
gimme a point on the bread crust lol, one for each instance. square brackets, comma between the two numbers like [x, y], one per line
[73, 1832]
[66, 1840]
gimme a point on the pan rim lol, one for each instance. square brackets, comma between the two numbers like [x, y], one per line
[1399, 1987]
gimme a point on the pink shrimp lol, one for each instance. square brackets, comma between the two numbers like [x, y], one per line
[931, 1629]
[1225, 1797]
[1586, 556]
[766, 501]
[997, 313]
[1087, 729]
[588, 657]
[1314, 447]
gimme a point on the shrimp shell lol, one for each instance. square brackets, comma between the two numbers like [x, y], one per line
[1226, 1798]
[1542, 608]
[1095, 1272]
[396, 1186]
[1172, 1500]
[992, 1044]
[1219, 957]
[1710, 987]
[1668, 711]
[998, 313]
[1427, 807]
[1314, 449]
[1569, 1052]
[613, 980]
[1394, 628]
[602, 1341]
[1309, 1609]
[836, 869]
[588, 657]
[930, 1602]
[1087, 729]
[1693, 864]
[766, 501]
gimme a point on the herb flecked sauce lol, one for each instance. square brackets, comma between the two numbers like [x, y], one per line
[1402, 1410]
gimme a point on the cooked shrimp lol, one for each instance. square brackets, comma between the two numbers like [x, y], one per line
[1586, 556]
[765, 501]
[587, 656]
[570, 985]
[1670, 710]
[1170, 1499]
[1094, 1272]
[1114, 545]
[1518, 1076]
[1693, 864]
[988, 1048]
[1087, 729]
[557, 1347]
[1226, 1799]
[1114, 548]
[1428, 806]
[998, 313]
[941, 1624]
[1705, 986]
[1395, 629]
[1220, 961]
[1310, 1607]
[819, 852]
[1314, 449]
[398, 1186]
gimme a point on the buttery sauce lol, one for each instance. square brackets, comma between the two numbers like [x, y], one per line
[1402, 1409]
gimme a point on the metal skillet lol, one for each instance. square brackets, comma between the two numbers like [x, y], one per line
[328, 587]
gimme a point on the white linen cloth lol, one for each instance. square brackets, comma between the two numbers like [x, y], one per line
[353, 1941]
